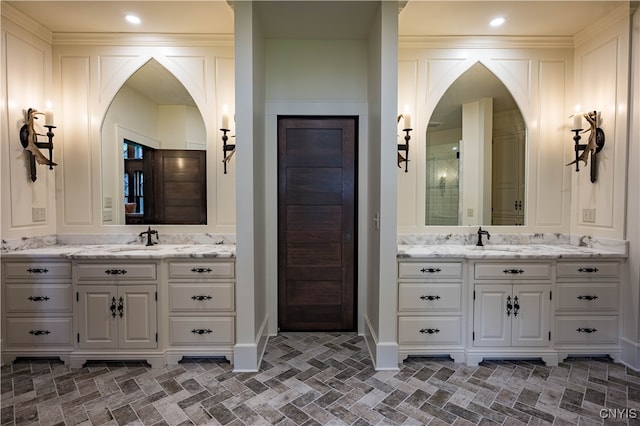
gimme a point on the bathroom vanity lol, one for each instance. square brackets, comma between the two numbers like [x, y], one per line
[508, 302]
[119, 302]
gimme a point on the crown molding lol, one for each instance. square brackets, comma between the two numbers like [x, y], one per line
[23, 21]
[606, 22]
[485, 42]
[143, 39]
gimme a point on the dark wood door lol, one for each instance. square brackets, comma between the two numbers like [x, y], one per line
[180, 186]
[316, 223]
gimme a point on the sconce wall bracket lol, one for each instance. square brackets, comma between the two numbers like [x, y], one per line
[592, 147]
[404, 147]
[29, 141]
[226, 148]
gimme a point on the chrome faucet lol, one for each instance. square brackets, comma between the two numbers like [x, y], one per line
[149, 232]
[480, 234]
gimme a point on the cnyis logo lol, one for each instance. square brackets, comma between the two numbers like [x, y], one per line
[619, 413]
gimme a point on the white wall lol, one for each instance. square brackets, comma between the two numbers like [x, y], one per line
[26, 83]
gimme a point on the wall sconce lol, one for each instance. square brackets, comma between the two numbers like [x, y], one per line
[594, 144]
[405, 146]
[226, 147]
[29, 140]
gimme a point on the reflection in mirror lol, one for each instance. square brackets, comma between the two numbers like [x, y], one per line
[475, 154]
[153, 152]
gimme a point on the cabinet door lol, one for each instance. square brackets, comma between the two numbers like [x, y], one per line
[97, 316]
[491, 325]
[530, 315]
[137, 327]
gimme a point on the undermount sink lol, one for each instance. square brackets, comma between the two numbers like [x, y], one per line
[137, 248]
[496, 248]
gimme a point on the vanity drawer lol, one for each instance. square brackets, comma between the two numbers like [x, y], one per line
[588, 269]
[511, 271]
[587, 330]
[201, 331]
[39, 331]
[415, 297]
[201, 297]
[587, 297]
[34, 270]
[38, 298]
[430, 331]
[116, 271]
[201, 270]
[429, 270]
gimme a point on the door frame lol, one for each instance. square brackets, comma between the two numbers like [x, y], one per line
[356, 211]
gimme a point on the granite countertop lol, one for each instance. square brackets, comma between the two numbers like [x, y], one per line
[128, 251]
[506, 251]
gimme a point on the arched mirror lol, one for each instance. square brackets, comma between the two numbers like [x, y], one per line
[153, 153]
[475, 154]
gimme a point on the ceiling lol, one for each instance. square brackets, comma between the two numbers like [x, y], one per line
[310, 18]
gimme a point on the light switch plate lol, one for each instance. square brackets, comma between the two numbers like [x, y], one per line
[589, 215]
[38, 214]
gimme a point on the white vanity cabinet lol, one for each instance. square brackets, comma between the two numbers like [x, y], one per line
[117, 311]
[201, 306]
[511, 311]
[37, 309]
[587, 308]
[430, 308]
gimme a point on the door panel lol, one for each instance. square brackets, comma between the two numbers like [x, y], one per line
[531, 324]
[491, 325]
[316, 223]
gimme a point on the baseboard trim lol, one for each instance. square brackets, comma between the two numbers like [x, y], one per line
[384, 355]
[630, 355]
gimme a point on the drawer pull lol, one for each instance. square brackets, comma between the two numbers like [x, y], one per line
[201, 270]
[509, 306]
[37, 270]
[121, 307]
[202, 331]
[201, 297]
[430, 297]
[39, 332]
[516, 306]
[430, 270]
[513, 271]
[113, 307]
[587, 330]
[588, 270]
[38, 298]
[429, 331]
[115, 271]
[587, 297]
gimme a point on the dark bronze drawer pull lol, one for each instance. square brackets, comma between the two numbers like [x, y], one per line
[38, 298]
[113, 307]
[588, 297]
[39, 332]
[430, 270]
[115, 271]
[509, 306]
[429, 331]
[121, 307]
[586, 330]
[201, 331]
[201, 297]
[513, 271]
[430, 297]
[38, 270]
[588, 270]
[201, 270]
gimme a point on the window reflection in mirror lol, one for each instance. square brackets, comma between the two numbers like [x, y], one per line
[153, 118]
[475, 154]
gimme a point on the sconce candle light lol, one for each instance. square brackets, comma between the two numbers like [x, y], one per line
[226, 147]
[405, 146]
[29, 140]
[594, 144]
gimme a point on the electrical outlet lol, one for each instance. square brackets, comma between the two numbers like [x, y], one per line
[469, 212]
[589, 215]
[108, 202]
[107, 216]
[38, 214]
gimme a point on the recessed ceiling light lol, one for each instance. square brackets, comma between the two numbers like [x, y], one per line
[496, 22]
[132, 19]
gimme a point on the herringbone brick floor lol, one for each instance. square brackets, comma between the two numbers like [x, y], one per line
[321, 379]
